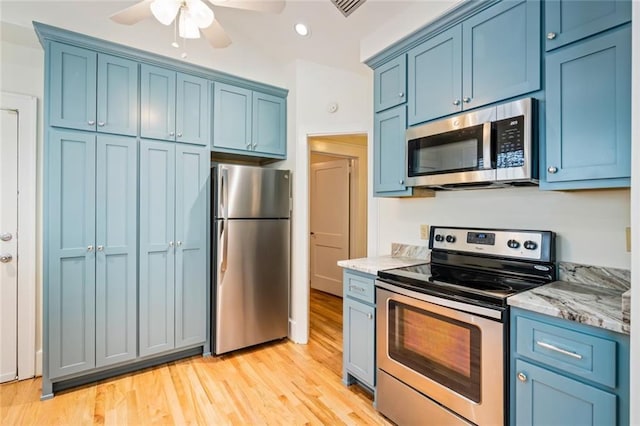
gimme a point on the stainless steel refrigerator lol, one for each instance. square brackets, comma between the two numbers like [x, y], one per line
[251, 255]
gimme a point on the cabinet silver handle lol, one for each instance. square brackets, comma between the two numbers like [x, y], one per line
[90, 248]
[456, 102]
[401, 94]
[370, 315]
[91, 122]
[100, 248]
[170, 243]
[101, 123]
[6, 236]
[179, 243]
[552, 169]
[522, 377]
[466, 99]
[356, 288]
[559, 350]
[179, 134]
[551, 36]
[171, 134]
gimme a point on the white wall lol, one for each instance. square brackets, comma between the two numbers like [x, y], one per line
[580, 218]
[313, 87]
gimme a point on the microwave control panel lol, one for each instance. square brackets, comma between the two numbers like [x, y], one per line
[510, 142]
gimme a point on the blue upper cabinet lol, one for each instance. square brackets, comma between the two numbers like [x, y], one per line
[389, 153]
[91, 91]
[390, 82]
[588, 125]
[248, 122]
[567, 21]
[174, 106]
[435, 77]
[491, 56]
[501, 53]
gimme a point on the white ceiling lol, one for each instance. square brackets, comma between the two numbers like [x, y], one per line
[335, 40]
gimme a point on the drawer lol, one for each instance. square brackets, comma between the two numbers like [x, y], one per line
[583, 355]
[359, 286]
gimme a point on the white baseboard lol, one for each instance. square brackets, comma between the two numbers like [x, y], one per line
[39, 363]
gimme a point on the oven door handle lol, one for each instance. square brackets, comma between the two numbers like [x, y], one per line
[447, 303]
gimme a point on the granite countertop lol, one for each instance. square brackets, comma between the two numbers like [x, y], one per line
[597, 306]
[371, 265]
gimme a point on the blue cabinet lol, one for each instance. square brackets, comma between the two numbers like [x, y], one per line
[567, 373]
[175, 106]
[91, 91]
[567, 21]
[91, 229]
[491, 56]
[247, 122]
[359, 318]
[588, 128]
[173, 232]
[389, 152]
[390, 84]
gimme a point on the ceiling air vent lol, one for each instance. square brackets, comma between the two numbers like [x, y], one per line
[347, 6]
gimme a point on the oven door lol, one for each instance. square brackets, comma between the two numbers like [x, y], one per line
[454, 357]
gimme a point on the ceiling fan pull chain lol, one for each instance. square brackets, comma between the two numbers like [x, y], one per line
[175, 34]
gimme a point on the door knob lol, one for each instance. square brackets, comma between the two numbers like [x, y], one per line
[6, 236]
[5, 258]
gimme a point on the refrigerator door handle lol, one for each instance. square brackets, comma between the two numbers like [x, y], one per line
[224, 241]
[224, 192]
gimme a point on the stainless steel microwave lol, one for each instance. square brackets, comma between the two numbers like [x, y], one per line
[493, 146]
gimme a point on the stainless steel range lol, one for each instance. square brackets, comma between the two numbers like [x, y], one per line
[442, 328]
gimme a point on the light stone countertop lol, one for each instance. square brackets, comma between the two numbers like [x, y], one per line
[371, 265]
[585, 304]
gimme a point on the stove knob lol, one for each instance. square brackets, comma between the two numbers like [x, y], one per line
[530, 245]
[439, 238]
[513, 244]
[451, 239]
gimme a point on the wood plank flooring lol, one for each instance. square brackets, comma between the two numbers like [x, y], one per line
[280, 383]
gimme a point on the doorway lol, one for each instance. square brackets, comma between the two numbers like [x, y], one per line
[17, 236]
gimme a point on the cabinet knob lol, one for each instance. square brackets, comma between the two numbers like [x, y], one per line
[401, 181]
[466, 99]
[170, 243]
[254, 146]
[551, 36]
[101, 123]
[456, 102]
[552, 169]
[100, 248]
[522, 377]
[401, 94]
[91, 122]
[370, 315]
[179, 135]
[90, 248]
[171, 134]
[179, 243]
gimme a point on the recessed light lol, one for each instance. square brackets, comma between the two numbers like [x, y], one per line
[302, 30]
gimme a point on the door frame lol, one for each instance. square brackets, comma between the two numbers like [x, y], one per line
[26, 106]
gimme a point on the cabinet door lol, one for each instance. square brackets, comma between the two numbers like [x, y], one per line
[567, 21]
[269, 125]
[72, 83]
[501, 53]
[231, 117]
[589, 109]
[157, 245]
[158, 103]
[192, 110]
[117, 95]
[435, 77]
[547, 398]
[359, 341]
[192, 189]
[116, 255]
[70, 225]
[390, 84]
[389, 152]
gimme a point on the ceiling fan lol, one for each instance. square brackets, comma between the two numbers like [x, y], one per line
[193, 17]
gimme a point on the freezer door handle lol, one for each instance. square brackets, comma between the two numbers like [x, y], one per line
[224, 242]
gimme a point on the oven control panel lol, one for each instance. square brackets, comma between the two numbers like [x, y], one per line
[530, 245]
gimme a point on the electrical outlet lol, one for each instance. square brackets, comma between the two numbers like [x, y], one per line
[628, 232]
[424, 232]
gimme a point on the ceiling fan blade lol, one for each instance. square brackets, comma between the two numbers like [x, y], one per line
[270, 6]
[133, 14]
[216, 35]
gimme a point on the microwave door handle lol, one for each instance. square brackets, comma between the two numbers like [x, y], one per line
[486, 145]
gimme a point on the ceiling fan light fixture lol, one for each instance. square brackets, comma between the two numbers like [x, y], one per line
[187, 27]
[302, 30]
[200, 13]
[165, 11]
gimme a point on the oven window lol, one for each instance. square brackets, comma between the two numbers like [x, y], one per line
[454, 151]
[441, 348]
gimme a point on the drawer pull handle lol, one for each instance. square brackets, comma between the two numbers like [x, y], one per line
[356, 288]
[557, 349]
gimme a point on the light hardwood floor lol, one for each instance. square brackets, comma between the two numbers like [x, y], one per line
[281, 383]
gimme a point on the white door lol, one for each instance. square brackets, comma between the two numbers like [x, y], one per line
[8, 245]
[329, 223]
